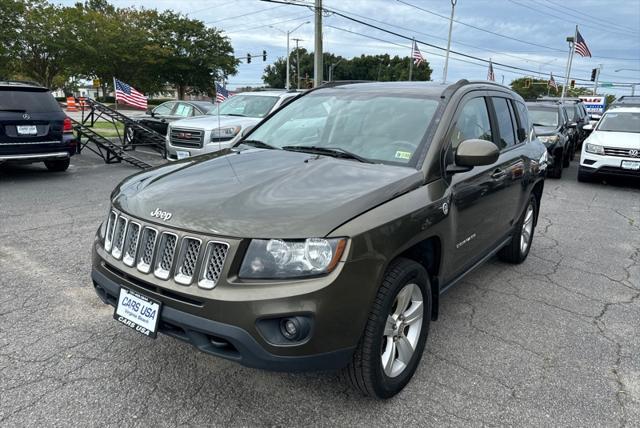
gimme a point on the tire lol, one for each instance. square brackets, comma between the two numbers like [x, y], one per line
[515, 251]
[57, 165]
[556, 171]
[572, 153]
[129, 138]
[568, 157]
[365, 372]
[585, 177]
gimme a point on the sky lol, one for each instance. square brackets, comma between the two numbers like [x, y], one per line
[529, 34]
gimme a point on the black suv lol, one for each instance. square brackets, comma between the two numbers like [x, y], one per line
[33, 127]
[324, 238]
[553, 129]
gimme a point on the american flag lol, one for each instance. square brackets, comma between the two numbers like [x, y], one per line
[581, 45]
[128, 95]
[417, 56]
[490, 75]
[552, 82]
[221, 93]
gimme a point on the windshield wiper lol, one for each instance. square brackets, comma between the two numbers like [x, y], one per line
[233, 114]
[539, 124]
[336, 152]
[13, 110]
[257, 143]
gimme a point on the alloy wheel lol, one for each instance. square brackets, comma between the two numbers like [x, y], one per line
[527, 229]
[402, 330]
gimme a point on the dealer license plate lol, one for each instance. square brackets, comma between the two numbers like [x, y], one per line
[27, 129]
[632, 165]
[138, 312]
[182, 154]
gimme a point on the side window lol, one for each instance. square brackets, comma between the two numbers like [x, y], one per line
[523, 114]
[505, 123]
[184, 110]
[164, 108]
[473, 122]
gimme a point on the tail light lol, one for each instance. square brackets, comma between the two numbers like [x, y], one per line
[67, 126]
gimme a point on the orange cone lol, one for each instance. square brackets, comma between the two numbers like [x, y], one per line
[71, 104]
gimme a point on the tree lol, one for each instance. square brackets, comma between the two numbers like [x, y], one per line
[536, 88]
[11, 12]
[364, 67]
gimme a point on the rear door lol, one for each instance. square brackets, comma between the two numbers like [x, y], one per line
[29, 117]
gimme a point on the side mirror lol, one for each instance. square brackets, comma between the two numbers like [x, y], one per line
[573, 125]
[475, 152]
[588, 127]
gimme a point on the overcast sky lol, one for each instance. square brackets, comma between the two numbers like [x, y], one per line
[610, 28]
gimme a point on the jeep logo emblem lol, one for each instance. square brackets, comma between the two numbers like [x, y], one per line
[162, 215]
[633, 153]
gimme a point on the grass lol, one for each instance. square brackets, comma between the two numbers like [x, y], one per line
[107, 129]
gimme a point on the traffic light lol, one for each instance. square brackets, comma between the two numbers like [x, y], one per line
[264, 55]
[573, 83]
[594, 73]
[527, 83]
[248, 58]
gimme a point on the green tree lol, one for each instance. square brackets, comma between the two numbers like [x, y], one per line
[364, 67]
[530, 89]
[11, 13]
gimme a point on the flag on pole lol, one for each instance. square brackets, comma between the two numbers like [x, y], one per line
[417, 55]
[128, 95]
[490, 75]
[581, 46]
[221, 93]
[552, 82]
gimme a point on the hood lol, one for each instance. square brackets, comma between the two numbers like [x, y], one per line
[545, 130]
[209, 122]
[261, 193]
[623, 140]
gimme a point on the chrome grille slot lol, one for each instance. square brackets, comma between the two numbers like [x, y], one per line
[166, 253]
[131, 244]
[147, 245]
[187, 260]
[213, 264]
[111, 224]
[617, 152]
[118, 237]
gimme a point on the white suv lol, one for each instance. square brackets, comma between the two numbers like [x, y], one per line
[613, 148]
[223, 125]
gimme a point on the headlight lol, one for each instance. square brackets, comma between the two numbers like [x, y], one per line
[594, 148]
[224, 134]
[278, 258]
[552, 139]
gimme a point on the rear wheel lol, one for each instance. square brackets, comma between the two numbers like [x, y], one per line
[517, 250]
[57, 165]
[568, 157]
[396, 331]
[556, 170]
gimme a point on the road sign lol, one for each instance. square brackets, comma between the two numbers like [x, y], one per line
[96, 83]
[606, 85]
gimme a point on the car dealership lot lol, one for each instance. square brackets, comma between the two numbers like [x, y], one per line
[553, 341]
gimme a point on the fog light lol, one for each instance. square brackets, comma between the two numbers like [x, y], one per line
[290, 328]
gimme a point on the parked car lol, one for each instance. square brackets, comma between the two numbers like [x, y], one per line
[553, 130]
[159, 117]
[577, 114]
[325, 237]
[626, 101]
[613, 148]
[221, 129]
[33, 127]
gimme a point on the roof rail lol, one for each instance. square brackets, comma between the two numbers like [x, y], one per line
[454, 87]
[343, 82]
[21, 82]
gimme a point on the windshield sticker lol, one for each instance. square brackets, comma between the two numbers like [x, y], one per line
[403, 155]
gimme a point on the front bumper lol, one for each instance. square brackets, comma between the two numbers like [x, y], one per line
[606, 165]
[172, 150]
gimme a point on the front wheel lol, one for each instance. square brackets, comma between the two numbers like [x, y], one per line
[391, 347]
[517, 250]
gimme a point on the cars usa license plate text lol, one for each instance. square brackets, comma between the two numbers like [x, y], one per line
[27, 129]
[634, 165]
[182, 155]
[138, 312]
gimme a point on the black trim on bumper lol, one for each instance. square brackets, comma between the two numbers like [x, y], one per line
[224, 340]
[610, 171]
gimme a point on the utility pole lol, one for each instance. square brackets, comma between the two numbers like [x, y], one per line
[595, 85]
[572, 46]
[287, 83]
[298, 61]
[413, 43]
[446, 58]
[317, 57]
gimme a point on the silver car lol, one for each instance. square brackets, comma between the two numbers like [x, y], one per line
[223, 125]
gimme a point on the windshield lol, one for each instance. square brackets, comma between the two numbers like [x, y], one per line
[546, 117]
[620, 122]
[377, 126]
[31, 101]
[246, 105]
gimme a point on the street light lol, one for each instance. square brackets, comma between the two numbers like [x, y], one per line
[626, 69]
[288, 33]
[331, 68]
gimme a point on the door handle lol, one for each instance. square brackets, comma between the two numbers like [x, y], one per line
[498, 173]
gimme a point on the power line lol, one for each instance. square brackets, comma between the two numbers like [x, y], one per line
[596, 19]
[272, 23]
[210, 7]
[244, 14]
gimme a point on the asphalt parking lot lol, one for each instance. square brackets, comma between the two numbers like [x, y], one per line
[552, 342]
